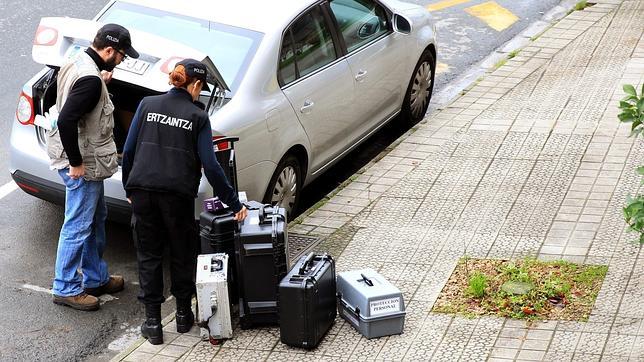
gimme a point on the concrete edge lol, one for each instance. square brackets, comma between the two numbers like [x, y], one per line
[520, 41]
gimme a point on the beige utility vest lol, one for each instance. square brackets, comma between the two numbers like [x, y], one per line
[95, 137]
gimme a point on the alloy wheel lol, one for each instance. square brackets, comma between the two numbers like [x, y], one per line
[285, 189]
[421, 90]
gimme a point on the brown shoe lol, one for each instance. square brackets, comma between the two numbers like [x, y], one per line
[114, 285]
[81, 301]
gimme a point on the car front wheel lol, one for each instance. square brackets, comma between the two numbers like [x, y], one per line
[285, 186]
[419, 91]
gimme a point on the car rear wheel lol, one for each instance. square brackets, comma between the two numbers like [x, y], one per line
[419, 91]
[286, 185]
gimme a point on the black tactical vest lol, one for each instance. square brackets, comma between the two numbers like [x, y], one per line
[166, 157]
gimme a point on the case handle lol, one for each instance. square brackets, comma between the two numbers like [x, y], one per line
[216, 265]
[366, 280]
[307, 261]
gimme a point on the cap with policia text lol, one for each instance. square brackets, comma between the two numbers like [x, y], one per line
[196, 69]
[118, 38]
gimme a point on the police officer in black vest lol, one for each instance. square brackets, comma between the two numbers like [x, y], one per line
[170, 139]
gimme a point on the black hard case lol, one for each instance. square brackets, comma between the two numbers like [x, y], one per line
[217, 233]
[307, 301]
[261, 251]
[217, 229]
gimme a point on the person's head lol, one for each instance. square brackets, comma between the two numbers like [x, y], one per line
[190, 75]
[113, 44]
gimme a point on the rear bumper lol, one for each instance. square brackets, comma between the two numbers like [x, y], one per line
[117, 210]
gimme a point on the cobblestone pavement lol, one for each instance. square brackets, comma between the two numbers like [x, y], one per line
[530, 161]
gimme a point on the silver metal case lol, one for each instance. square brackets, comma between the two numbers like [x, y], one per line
[370, 303]
[213, 304]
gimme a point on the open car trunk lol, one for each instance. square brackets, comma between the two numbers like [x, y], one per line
[59, 39]
[125, 96]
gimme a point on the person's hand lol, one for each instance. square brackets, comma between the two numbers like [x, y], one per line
[129, 200]
[107, 76]
[76, 171]
[241, 215]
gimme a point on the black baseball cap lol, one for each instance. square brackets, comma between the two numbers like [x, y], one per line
[118, 38]
[196, 69]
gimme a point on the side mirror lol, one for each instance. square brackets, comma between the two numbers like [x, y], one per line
[401, 24]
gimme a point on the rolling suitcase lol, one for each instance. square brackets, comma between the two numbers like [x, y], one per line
[370, 303]
[217, 226]
[307, 301]
[217, 234]
[261, 250]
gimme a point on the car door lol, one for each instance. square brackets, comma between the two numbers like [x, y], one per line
[318, 84]
[376, 57]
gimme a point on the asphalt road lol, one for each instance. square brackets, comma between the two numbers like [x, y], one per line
[31, 327]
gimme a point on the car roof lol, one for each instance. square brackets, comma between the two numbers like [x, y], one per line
[259, 15]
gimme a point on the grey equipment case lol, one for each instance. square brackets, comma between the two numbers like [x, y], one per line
[370, 303]
[213, 305]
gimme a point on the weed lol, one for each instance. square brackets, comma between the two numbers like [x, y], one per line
[581, 5]
[556, 287]
[513, 53]
[516, 273]
[500, 63]
[477, 285]
[591, 274]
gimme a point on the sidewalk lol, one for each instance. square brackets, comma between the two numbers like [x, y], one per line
[530, 161]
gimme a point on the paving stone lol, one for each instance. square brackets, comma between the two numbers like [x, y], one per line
[139, 356]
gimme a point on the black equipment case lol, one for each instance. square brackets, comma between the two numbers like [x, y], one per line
[217, 229]
[307, 301]
[261, 250]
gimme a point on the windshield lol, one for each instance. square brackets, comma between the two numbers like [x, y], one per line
[230, 48]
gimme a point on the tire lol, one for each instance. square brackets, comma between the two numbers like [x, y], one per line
[419, 91]
[285, 186]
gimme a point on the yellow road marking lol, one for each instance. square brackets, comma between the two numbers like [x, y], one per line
[445, 4]
[442, 68]
[493, 14]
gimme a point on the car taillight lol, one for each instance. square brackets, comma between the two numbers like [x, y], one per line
[25, 109]
[45, 36]
[169, 64]
[220, 146]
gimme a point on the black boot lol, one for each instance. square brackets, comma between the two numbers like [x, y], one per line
[184, 317]
[151, 328]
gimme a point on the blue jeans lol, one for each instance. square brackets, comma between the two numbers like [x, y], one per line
[82, 238]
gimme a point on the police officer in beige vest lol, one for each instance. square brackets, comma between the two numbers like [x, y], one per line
[83, 151]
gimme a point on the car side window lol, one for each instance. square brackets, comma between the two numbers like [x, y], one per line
[288, 72]
[359, 21]
[306, 47]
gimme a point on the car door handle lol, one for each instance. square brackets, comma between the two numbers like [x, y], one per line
[307, 107]
[361, 75]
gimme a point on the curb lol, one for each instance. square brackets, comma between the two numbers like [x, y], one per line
[132, 347]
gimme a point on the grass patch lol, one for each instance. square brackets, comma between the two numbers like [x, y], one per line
[500, 63]
[561, 290]
[581, 5]
[477, 285]
[513, 53]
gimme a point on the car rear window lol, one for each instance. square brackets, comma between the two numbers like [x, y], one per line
[230, 48]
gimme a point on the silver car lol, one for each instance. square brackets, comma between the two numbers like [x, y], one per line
[300, 82]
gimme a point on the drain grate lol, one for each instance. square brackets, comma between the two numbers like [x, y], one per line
[299, 244]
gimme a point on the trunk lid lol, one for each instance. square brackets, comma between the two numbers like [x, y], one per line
[58, 39]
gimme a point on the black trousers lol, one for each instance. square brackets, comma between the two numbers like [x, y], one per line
[161, 218]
